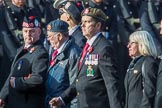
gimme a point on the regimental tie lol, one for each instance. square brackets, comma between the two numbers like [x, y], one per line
[83, 55]
[52, 62]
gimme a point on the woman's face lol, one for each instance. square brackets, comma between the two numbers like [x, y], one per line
[133, 49]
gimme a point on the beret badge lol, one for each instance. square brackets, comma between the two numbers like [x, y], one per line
[86, 11]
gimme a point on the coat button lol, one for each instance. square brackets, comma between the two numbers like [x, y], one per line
[114, 6]
[157, 93]
[15, 19]
[107, 28]
[77, 80]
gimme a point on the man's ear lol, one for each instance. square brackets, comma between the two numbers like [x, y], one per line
[98, 25]
[60, 36]
[68, 17]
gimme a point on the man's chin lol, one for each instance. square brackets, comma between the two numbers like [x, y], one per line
[28, 42]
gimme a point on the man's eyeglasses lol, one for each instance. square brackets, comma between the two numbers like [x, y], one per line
[52, 35]
[61, 11]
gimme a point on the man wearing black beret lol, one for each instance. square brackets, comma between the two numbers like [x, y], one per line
[96, 84]
[62, 63]
[71, 13]
[25, 86]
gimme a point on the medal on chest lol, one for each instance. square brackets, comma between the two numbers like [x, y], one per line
[89, 71]
[19, 64]
[91, 59]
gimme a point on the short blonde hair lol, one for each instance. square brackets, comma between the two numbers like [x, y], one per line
[146, 43]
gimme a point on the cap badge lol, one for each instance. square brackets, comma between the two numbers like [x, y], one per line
[67, 5]
[36, 23]
[49, 27]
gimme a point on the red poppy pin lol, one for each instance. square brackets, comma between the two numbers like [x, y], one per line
[49, 27]
[90, 49]
[78, 4]
[31, 17]
[32, 49]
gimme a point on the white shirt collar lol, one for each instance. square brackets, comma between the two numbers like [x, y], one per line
[61, 47]
[27, 46]
[71, 31]
[90, 42]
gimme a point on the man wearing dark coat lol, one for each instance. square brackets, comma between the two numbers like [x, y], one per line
[25, 86]
[71, 13]
[96, 84]
[110, 30]
[10, 31]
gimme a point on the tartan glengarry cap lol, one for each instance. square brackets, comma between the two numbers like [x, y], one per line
[95, 13]
[58, 26]
[74, 9]
[31, 22]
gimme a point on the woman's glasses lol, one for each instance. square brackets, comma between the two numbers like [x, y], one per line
[130, 43]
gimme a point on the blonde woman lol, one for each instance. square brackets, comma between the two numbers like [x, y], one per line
[140, 79]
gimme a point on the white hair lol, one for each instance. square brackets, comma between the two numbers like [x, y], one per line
[146, 43]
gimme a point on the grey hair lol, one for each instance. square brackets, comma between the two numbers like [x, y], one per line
[146, 43]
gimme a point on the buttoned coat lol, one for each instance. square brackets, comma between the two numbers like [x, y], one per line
[99, 90]
[30, 92]
[140, 83]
